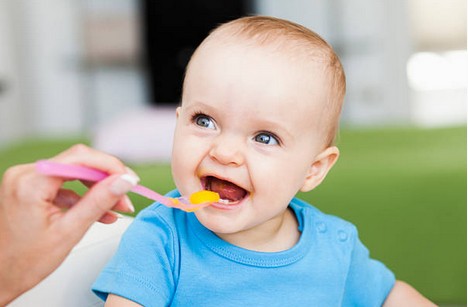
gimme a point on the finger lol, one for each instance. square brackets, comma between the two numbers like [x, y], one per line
[66, 198]
[96, 202]
[124, 204]
[23, 183]
[10, 177]
[84, 155]
[109, 217]
[88, 184]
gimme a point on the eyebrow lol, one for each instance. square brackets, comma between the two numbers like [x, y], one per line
[277, 128]
[199, 104]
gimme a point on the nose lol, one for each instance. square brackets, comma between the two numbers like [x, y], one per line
[227, 150]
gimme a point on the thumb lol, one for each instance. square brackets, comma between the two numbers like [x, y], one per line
[96, 202]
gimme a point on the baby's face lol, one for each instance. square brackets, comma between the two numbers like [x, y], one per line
[248, 128]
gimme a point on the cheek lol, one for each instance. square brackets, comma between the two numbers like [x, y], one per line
[183, 143]
[283, 176]
[187, 153]
[181, 160]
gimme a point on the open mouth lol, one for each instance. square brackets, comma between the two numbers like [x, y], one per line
[229, 192]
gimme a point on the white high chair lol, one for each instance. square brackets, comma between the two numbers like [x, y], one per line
[70, 284]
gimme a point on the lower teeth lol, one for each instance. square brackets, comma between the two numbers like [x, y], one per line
[224, 201]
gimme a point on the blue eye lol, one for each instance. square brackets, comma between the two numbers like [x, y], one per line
[266, 138]
[204, 121]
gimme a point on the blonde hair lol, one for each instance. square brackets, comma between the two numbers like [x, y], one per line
[301, 42]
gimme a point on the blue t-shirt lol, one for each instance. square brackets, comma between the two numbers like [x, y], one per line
[167, 258]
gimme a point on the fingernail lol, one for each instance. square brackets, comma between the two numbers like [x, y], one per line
[123, 184]
[131, 207]
[118, 215]
[132, 172]
[129, 204]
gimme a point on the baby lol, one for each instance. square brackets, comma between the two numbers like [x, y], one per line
[260, 109]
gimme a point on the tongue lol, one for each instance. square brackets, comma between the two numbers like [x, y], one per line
[227, 190]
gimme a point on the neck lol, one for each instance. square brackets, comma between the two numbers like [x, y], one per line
[275, 235]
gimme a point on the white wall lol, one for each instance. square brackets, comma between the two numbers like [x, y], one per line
[52, 89]
[376, 48]
[12, 112]
[372, 40]
[50, 49]
[111, 92]
[313, 14]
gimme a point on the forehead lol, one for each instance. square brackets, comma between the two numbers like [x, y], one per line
[250, 70]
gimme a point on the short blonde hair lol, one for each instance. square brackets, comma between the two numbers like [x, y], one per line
[298, 40]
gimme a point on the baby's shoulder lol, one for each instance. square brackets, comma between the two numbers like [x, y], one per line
[325, 225]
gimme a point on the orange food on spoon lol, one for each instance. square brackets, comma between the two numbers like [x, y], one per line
[204, 196]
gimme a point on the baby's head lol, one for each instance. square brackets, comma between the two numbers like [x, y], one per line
[301, 46]
[260, 109]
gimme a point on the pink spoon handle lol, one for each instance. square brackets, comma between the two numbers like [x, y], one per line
[69, 171]
[144, 191]
[90, 174]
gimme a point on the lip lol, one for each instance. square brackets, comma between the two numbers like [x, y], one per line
[228, 207]
[204, 176]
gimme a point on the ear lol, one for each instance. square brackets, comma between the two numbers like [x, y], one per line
[177, 112]
[319, 168]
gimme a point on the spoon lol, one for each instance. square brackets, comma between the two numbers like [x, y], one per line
[196, 200]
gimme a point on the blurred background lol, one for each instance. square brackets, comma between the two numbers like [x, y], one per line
[108, 73]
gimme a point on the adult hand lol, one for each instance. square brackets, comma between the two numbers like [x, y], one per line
[40, 221]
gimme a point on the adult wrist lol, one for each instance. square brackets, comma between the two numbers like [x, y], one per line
[12, 284]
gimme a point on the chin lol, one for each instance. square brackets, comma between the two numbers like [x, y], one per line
[219, 224]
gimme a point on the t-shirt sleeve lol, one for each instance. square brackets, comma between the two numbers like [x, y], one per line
[142, 268]
[368, 281]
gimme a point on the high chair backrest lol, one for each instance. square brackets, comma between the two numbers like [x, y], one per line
[70, 284]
